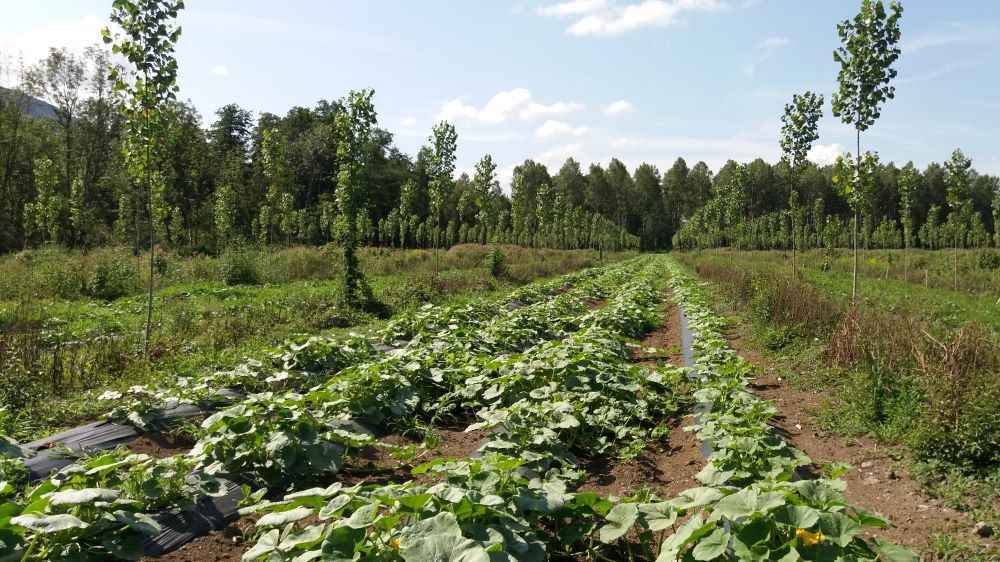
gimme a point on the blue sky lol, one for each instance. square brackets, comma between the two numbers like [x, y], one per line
[643, 80]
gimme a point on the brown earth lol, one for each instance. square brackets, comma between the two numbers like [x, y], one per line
[161, 445]
[665, 468]
[225, 545]
[666, 338]
[879, 480]
[376, 464]
[669, 467]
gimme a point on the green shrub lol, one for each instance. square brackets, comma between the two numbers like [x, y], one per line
[112, 279]
[989, 260]
[238, 265]
[61, 278]
[497, 262]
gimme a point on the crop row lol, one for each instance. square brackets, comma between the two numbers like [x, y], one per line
[296, 421]
[757, 501]
[515, 499]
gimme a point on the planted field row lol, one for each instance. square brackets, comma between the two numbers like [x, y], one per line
[762, 499]
[96, 508]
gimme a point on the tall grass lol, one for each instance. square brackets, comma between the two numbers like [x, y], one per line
[71, 322]
[893, 373]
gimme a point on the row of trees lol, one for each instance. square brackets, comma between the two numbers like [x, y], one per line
[760, 206]
[83, 177]
[277, 179]
[859, 201]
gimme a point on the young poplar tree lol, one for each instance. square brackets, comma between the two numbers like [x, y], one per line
[907, 192]
[958, 179]
[996, 219]
[869, 48]
[355, 124]
[799, 126]
[149, 34]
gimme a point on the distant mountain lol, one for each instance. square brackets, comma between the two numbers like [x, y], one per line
[34, 106]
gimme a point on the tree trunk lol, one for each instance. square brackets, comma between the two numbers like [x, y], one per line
[854, 275]
[152, 240]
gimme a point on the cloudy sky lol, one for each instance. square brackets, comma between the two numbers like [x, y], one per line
[641, 80]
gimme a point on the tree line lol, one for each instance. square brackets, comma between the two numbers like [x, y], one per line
[761, 206]
[274, 179]
[72, 177]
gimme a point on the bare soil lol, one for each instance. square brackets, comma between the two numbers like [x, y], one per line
[161, 445]
[666, 338]
[225, 545]
[376, 464]
[879, 480]
[669, 467]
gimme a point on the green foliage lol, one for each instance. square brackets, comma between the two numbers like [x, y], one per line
[239, 265]
[799, 127]
[496, 261]
[866, 57]
[112, 279]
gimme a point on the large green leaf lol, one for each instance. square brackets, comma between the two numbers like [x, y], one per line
[838, 528]
[48, 523]
[893, 553]
[282, 518]
[712, 546]
[620, 520]
[84, 496]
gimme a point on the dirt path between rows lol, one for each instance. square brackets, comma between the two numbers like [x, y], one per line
[667, 468]
[878, 482]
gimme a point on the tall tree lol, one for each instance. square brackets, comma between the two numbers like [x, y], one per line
[60, 78]
[355, 125]
[444, 144]
[958, 178]
[908, 179]
[150, 35]
[869, 48]
[800, 123]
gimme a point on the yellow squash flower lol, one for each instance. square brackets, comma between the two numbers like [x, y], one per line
[809, 539]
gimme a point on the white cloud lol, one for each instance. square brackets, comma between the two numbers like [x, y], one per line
[619, 107]
[954, 33]
[764, 51]
[554, 157]
[600, 18]
[825, 154]
[33, 43]
[573, 8]
[408, 122]
[510, 104]
[774, 43]
[220, 70]
[553, 128]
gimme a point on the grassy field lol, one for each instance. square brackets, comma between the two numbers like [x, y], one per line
[71, 324]
[885, 282]
[913, 365]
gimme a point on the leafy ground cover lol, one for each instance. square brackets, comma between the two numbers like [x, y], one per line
[542, 374]
[916, 385]
[59, 351]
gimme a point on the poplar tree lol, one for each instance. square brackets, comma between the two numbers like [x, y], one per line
[907, 192]
[147, 43]
[869, 48]
[800, 123]
[354, 124]
[958, 179]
